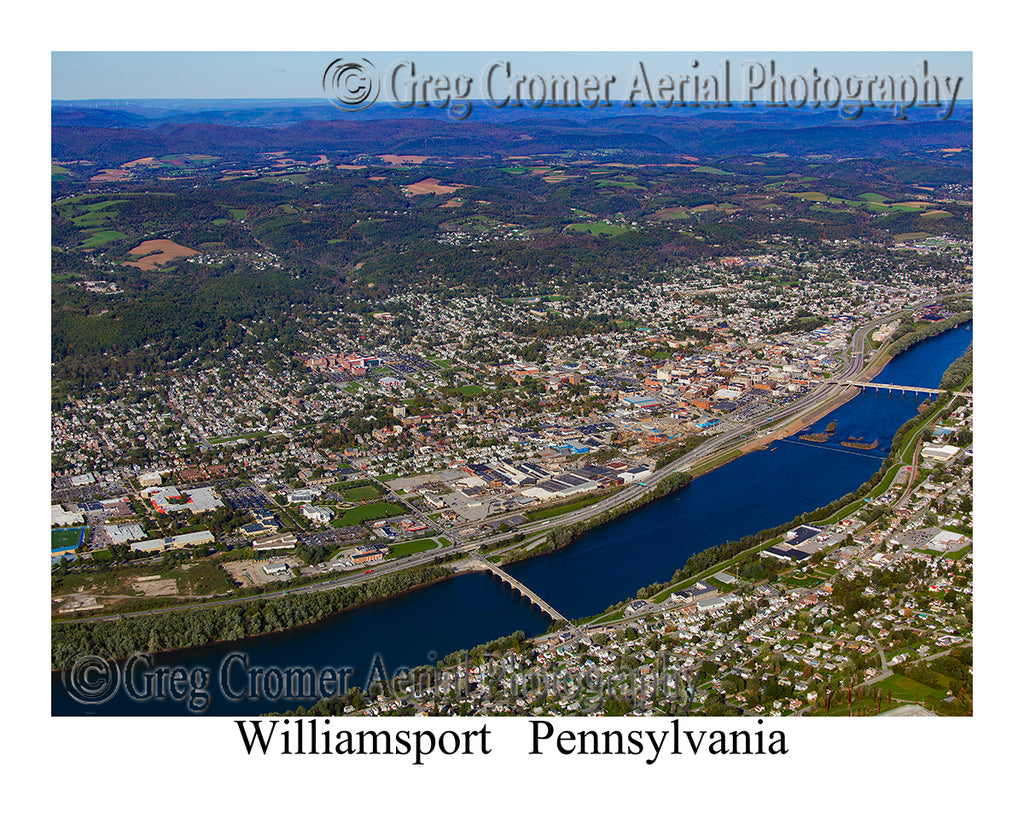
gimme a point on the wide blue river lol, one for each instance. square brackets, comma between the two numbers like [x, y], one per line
[755, 492]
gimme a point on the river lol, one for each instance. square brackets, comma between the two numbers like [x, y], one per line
[604, 566]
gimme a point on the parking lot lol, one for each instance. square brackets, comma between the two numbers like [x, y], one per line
[247, 498]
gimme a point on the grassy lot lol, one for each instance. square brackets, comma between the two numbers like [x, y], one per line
[362, 493]
[201, 578]
[371, 511]
[411, 547]
[907, 689]
[960, 553]
[470, 390]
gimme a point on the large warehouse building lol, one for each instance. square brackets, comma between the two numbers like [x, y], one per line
[170, 499]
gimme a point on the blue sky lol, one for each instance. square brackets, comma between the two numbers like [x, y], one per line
[235, 74]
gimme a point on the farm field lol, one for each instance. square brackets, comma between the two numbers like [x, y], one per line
[709, 169]
[159, 252]
[620, 184]
[404, 159]
[430, 185]
[597, 229]
[102, 237]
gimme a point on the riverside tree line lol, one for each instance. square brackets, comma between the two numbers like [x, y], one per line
[234, 621]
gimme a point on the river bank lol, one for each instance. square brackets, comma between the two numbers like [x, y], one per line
[607, 564]
[767, 487]
[230, 622]
[560, 537]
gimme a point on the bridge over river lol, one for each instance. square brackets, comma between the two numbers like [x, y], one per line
[892, 387]
[483, 563]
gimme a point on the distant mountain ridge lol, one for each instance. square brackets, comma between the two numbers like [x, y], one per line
[123, 130]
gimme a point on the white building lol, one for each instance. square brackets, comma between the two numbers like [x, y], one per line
[304, 495]
[939, 453]
[318, 514]
[197, 500]
[638, 473]
[124, 532]
[59, 517]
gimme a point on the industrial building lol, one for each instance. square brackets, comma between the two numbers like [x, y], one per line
[641, 402]
[174, 542]
[939, 453]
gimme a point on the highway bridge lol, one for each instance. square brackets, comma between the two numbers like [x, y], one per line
[529, 594]
[891, 387]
